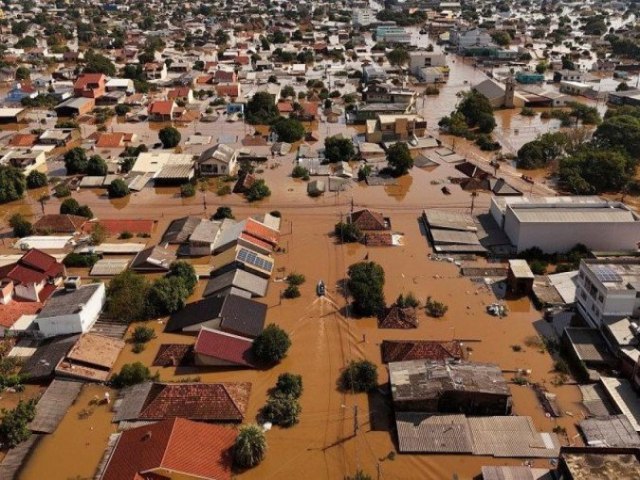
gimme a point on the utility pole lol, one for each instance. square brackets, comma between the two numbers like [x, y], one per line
[473, 200]
[355, 420]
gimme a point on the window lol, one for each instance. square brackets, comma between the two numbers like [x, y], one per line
[600, 298]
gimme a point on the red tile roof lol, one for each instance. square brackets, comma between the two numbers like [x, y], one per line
[285, 107]
[261, 231]
[10, 313]
[161, 107]
[110, 140]
[35, 266]
[397, 317]
[399, 351]
[230, 90]
[178, 92]
[38, 260]
[23, 140]
[224, 402]
[187, 448]
[256, 241]
[55, 223]
[368, 220]
[224, 346]
[310, 108]
[87, 79]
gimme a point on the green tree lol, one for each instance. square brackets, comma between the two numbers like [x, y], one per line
[14, 427]
[187, 190]
[399, 159]
[166, 295]
[170, 137]
[261, 109]
[131, 374]
[434, 308]
[117, 189]
[75, 161]
[359, 376]
[271, 345]
[98, 234]
[97, 166]
[36, 179]
[347, 232]
[98, 63]
[126, 297]
[590, 171]
[366, 284]
[84, 211]
[620, 131]
[122, 109]
[338, 149]
[501, 38]
[398, 56]
[12, 184]
[222, 213]
[289, 130]
[186, 273]
[258, 191]
[22, 73]
[288, 92]
[542, 151]
[69, 206]
[20, 225]
[250, 446]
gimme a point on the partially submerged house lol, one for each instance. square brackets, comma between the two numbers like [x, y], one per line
[439, 387]
[73, 309]
[398, 317]
[173, 448]
[32, 278]
[54, 223]
[207, 402]
[238, 282]
[214, 348]
[232, 314]
[403, 350]
[91, 358]
[154, 259]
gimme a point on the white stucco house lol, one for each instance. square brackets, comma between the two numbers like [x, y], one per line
[73, 309]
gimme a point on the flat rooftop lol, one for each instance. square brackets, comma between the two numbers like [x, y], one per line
[623, 274]
[606, 212]
[602, 466]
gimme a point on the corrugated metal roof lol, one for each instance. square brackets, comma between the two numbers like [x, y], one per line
[109, 267]
[573, 215]
[624, 397]
[613, 431]
[53, 405]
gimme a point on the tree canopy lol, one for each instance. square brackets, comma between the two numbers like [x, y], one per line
[12, 184]
[399, 159]
[170, 137]
[75, 161]
[118, 189]
[338, 149]
[36, 179]
[258, 191]
[359, 376]
[542, 151]
[366, 283]
[261, 109]
[250, 446]
[96, 166]
[271, 345]
[126, 297]
[289, 130]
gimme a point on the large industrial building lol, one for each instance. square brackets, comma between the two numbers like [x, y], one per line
[556, 224]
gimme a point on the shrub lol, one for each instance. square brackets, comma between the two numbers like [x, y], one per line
[363, 172]
[292, 291]
[138, 347]
[258, 191]
[118, 189]
[126, 297]
[538, 267]
[435, 309]
[295, 279]
[223, 190]
[361, 475]
[527, 112]
[222, 213]
[143, 334]
[98, 234]
[69, 206]
[289, 384]
[408, 300]
[131, 374]
[359, 376]
[12, 184]
[166, 296]
[250, 446]
[20, 225]
[125, 235]
[85, 211]
[187, 190]
[80, 260]
[299, 172]
[61, 191]
[271, 345]
[170, 137]
[282, 410]
[36, 179]
[122, 109]
[275, 213]
[185, 272]
[561, 366]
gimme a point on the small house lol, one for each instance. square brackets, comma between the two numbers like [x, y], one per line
[214, 348]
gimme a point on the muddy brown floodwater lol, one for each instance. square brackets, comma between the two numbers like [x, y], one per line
[322, 445]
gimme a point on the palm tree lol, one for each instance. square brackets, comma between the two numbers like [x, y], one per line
[250, 446]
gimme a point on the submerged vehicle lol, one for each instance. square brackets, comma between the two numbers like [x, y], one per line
[320, 289]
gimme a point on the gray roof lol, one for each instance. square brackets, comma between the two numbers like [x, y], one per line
[505, 436]
[49, 353]
[130, 401]
[424, 379]
[218, 153]
[238, 315]
[205, 232]
[612, 431]
[53, 405]
[237, 278]
[181, 229]
[230, 230]
[67, 302]
[153, 259]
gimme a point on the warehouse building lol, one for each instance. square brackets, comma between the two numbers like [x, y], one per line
[557, 224]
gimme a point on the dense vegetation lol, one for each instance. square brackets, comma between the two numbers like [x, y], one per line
[272, 345]
[366, 283]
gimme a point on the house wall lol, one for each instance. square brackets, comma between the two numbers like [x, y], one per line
[28, 291]
[80, 322]
[213, 324]
[560, 237]
[207, 361]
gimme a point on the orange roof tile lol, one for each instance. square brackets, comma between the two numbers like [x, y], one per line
[110, 140]
[23, 140]
[261, 231]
